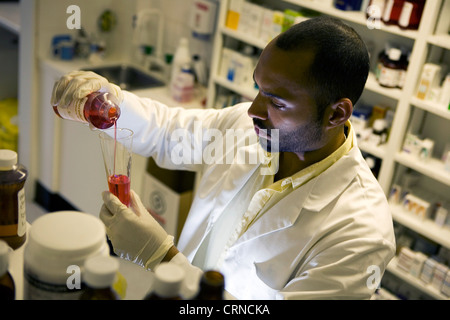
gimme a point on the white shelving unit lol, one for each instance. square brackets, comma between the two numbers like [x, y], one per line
[431, 35]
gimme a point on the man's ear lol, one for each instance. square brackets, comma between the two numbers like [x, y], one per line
[338, 113]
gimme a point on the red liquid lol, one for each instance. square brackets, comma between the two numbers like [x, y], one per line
[119, 185]
[102, 114]
[98, 110]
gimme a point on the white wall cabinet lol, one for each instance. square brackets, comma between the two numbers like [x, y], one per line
[430, 43]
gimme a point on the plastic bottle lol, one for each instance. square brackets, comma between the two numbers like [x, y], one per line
[167, 282]
[58, 245]
[181, 58]
[390, 71]
[99, 276]
[13, 224]
[100, 109]
[7, 286]
[182, 87]
[212, 286]
[379, 132]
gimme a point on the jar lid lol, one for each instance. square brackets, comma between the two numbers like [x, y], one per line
[8, 159]
[379, 125]
[69, 235]
[4, 257]
[168, 279]
[395, 54]
[100, 271]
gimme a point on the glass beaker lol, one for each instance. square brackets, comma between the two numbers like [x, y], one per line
[116, 144]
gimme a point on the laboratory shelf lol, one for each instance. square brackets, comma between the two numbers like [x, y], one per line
[243, 37]
[377, 151]
[426, 227]
[244, 91]
[431, 36]
[414, 281]
[433, 168]
[373, 85]
[440, 40]
[433, 107]
[357, 17]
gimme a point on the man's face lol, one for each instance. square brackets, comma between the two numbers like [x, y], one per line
[284, 102]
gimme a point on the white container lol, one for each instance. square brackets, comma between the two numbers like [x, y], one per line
[182, 87]
[181, 58]
[58, 245]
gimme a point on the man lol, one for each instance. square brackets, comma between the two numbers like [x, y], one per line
[308, 220]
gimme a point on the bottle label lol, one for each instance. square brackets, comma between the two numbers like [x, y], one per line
[12, 229]
[75, 111]
[22, 221]
[36, 289]
[389, 77]
[405, 16]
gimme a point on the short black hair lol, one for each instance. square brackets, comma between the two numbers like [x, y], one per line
[341, 64]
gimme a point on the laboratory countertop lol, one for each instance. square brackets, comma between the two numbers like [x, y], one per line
[138, 280]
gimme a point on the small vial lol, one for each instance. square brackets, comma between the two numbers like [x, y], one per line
[7, 286]
[212, 286]
[13, 224]
[99, 276]
[100, 109]
[167, 282]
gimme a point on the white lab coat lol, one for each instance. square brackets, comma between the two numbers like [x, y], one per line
[328, 239]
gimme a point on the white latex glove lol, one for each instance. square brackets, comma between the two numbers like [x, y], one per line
[76, 85]
[135, 235]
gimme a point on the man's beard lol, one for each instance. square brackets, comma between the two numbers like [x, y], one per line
[301, 139]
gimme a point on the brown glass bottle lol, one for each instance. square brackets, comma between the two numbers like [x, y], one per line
[7, 286]
[167, 282]
[99, 275]
[212, 286]
[12, 199]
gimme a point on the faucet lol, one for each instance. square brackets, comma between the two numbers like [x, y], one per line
[158, 60]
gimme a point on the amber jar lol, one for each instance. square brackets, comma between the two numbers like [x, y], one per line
[13, 224]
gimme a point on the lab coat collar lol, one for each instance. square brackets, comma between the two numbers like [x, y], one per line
[312, 196]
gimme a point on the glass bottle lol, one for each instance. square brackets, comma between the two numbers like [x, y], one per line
[392, 11]
[99, 276]
[167, 282]
[411, 14]
[13, 224]
[391, 69]
[212, 286]
[7, 286]
[100, 109]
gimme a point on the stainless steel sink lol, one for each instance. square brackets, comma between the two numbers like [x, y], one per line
[127, 77]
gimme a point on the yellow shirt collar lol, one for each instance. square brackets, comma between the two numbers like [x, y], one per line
[315, 169]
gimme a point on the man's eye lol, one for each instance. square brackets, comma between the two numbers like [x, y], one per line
[276, 105]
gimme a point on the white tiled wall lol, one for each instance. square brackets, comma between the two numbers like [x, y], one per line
[52, 17]
[52, 20]
[176, 25]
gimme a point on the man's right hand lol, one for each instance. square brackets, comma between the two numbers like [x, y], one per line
[76, 85]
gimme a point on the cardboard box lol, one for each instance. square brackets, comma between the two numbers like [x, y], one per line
[167, 194]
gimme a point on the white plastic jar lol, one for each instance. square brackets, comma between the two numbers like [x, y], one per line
[54, 256]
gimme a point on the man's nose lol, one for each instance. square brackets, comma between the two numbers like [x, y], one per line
[258, 110]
